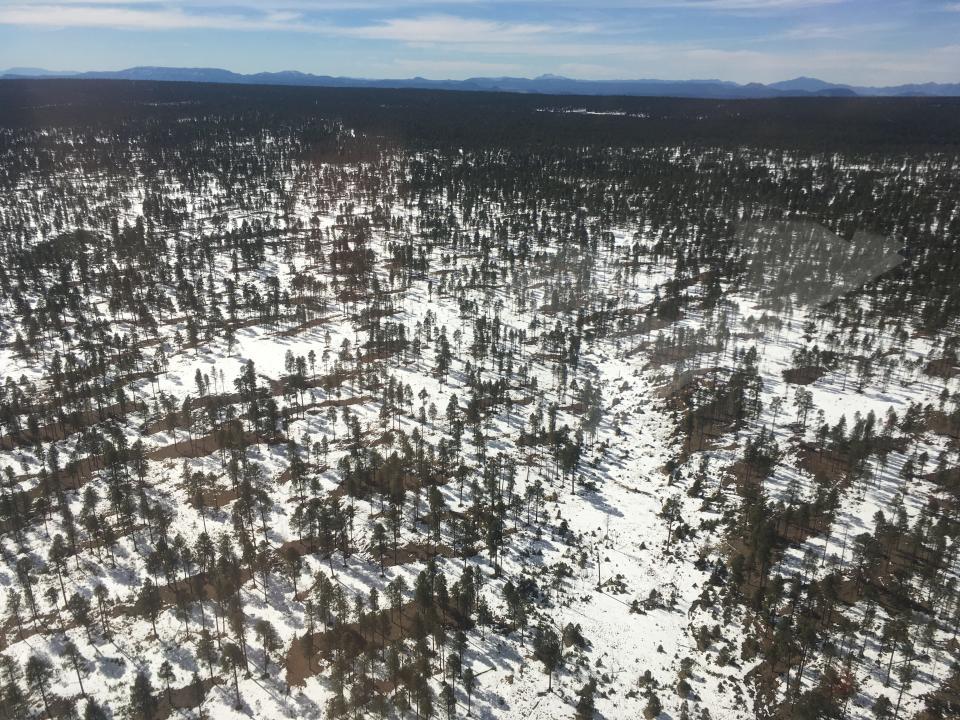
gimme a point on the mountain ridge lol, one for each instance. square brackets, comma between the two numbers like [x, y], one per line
[542, 84]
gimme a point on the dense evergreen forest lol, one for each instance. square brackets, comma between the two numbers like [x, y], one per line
[373, 403]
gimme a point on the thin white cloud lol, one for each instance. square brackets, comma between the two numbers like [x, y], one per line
[451, 68]
[247, 7]
[302, 15]
[684, 61]
[437, 45]
[137, 18]
[749, 4]
[427, 28]
[817, 32]
[454, 29]
[836, 31]
[422, 29]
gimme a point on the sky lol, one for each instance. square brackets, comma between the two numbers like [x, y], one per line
[877, 42]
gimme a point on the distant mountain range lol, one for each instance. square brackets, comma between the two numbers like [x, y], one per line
[543, 84]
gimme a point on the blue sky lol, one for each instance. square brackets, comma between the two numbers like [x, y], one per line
[853, 41]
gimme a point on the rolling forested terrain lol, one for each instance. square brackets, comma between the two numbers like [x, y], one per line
[394, 403]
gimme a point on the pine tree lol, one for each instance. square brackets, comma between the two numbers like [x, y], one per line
[449, 699]
[585, 704]
[39, 673]
[547, 649]
[150, 603]
[143, 703]
[232, 659]
[469, 685]
[75, 660]
[269, 639]
[166, 674]
[94, 711]
[653, 707]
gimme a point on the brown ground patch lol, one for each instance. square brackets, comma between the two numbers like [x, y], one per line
[330, 381]
[201, 585]
[72, 423]
[413, 553]
[645, 327]
[944, 702]
[948, 479]
[805, 375]
[700, 427]
[215, 497]
[941, 423]
[206, 445]
[745, 473]
[826, 463]
[945, 368]
[306, 546]
[315, 408]
[286, 475]
[308, 653]
[682, 380]
[678, 353]
[184, 698]
[72, 477]
[304, 326]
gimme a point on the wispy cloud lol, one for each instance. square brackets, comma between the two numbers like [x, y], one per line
[754, 4]
[308, 15]
[434, 28]
[836, 31]
[178, 13]
[816, 32]
[452, 68]
[454, 29]
[140, 18]
[647, 38]
[426, 28]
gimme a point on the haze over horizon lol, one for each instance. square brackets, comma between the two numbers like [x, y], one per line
[842, 41]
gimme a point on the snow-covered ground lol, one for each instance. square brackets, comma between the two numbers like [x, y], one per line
[600, 550]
